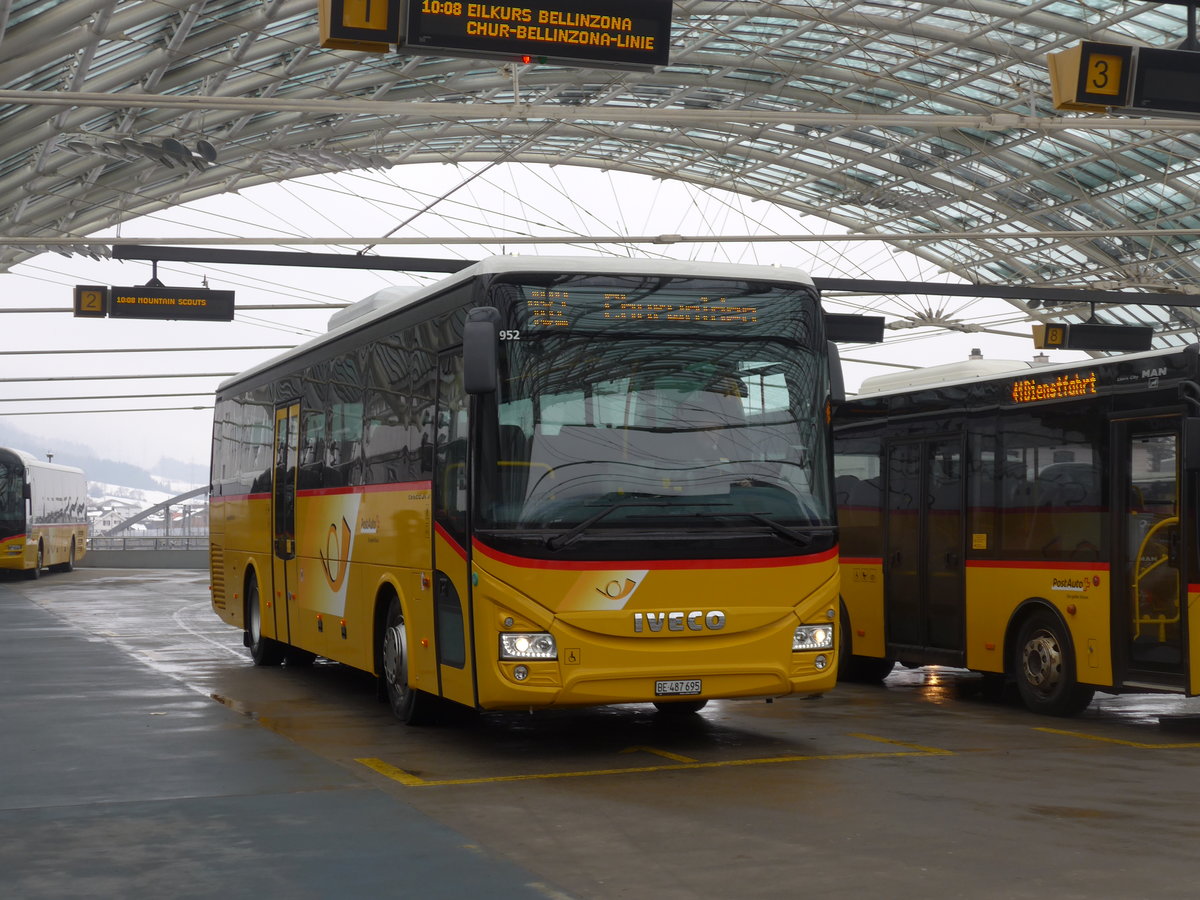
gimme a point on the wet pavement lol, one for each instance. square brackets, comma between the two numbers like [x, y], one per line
[121, 778]
[142, 755]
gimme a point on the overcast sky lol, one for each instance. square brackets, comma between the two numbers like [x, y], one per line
[503, 201]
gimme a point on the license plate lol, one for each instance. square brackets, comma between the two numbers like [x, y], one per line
[675, 688]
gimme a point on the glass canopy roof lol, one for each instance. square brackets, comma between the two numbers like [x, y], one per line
[927, 124]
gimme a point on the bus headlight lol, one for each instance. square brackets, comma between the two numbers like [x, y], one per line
[813, 637]
[528, 646]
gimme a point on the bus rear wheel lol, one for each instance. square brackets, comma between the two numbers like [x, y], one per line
[409, 705]
[264, 651]
[1044, 668]
[69, 565]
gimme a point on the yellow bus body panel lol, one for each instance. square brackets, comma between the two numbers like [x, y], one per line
[862, 592]
[602, 659]
[351, 544]
[1080, 592]
[19, 553]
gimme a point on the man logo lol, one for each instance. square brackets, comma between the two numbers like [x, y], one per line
[614, 590]
[335, 558]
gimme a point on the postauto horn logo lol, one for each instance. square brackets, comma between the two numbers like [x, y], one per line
[335, 558]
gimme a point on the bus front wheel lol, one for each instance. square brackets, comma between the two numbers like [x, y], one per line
[410, 706]
[1044, 668]
[264, 651]
[36, 571]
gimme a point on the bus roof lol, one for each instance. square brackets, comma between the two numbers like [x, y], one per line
[29, 461]
[391, 298]
[388, 300]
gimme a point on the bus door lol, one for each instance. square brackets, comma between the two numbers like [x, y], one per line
[283, 518]
[1149, 587]
[924, 594]
[451, 540]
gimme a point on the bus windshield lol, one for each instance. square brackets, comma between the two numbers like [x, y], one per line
[658, 433]
[12, 499]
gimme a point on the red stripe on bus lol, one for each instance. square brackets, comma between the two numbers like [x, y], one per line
[330, 492]
[1035, 564]
[367, 489]
[455, 545]
[654, 564]
[992, 563]
[231, 497]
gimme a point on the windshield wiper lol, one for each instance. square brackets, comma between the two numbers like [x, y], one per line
[558, 541]
[802, 536]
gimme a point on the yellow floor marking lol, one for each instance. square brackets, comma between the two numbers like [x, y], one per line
[410, 780]
[1105, 740]
[663, 753]
[918, 747]
[391, 772]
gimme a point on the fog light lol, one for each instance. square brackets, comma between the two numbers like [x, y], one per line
[520, 673]
[813, 637]
[821, 661]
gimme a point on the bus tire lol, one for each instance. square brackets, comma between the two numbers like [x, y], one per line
[858, 669]
[865, 669]
[409, 705]
[295, 658]
[1044, 667]
[69, 565]
[264, 651]
[679, 707]
[36, 572]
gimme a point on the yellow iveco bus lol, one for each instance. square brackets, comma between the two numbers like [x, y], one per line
[541, 482]
[43, 514]
[1037, 524]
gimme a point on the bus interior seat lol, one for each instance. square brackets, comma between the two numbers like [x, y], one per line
[843, 488]
[512, 460]
[1070, 485]
[867, 494]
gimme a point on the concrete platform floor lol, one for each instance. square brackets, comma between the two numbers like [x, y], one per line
[141, 755]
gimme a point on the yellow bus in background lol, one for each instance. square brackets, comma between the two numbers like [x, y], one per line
[43, 514]
[541, 482]
[1037, 525]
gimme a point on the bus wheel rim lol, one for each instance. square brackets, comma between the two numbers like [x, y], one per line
[395, 668]
[1043, 662]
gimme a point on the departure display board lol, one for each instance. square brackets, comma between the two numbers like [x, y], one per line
[150, 302]
[623, 34]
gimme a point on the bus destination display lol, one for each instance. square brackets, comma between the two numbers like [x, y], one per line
[1032, 390]
[549, 309]
[627, 34]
